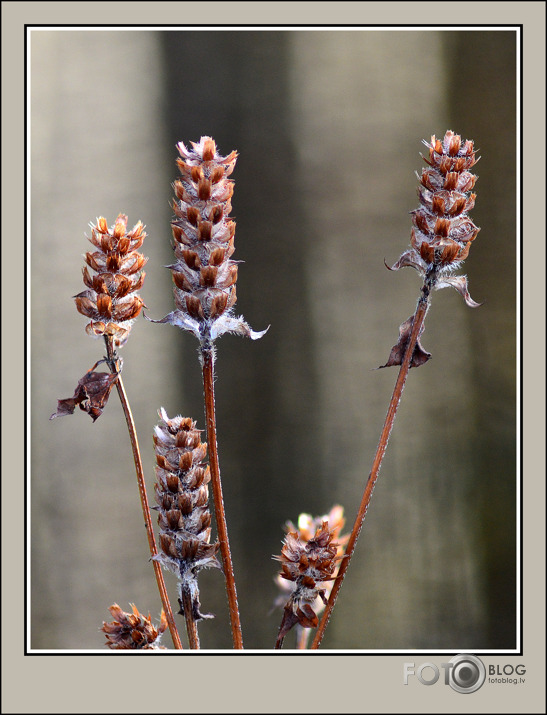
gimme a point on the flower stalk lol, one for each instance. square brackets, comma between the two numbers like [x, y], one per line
[204, 277]
[114, 365]
[112, 303]
[440, 240]
[218, 499]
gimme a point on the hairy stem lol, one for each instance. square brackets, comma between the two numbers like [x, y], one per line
[187, 608]
[113, 364]
[220, 515]
[417, 326]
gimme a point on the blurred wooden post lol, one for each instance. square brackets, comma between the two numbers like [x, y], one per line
[97, 149]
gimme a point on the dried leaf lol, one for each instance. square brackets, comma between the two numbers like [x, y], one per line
[460, 284]
[306, 616]
[237, 326]
[289, 620]
[91, 394]
[409, 258]
[211, 330]
[180, 320]
[397, 354]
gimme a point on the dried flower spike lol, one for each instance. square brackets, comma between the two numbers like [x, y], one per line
[306, 531]
[440, 241]
[443, 232]
[133, 631]
[182, 496]
[309, 559]
[112, 302]
[204, 273]
[111, 299]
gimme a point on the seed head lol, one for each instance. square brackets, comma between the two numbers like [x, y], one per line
[204, 274]
[182, 498]
[133, 631]
[111, 299]
[309, 559]
[442, 232]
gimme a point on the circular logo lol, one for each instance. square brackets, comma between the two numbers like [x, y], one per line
[467, 674]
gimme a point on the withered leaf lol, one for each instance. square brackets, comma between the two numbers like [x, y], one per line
[289, 620]
[397, 354]
[91, 394]
[304, 615]
[409, 258]
[460, 284]
[223, 324]
[237, 326]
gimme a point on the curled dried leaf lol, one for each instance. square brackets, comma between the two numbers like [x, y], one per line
[460, 284]
[397, 354]
[91, 395]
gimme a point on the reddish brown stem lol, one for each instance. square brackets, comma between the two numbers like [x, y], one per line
[417, 325]
[220, 515]
[114, 367]
[191, 625]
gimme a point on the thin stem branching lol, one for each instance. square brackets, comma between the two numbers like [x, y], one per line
[114, 365]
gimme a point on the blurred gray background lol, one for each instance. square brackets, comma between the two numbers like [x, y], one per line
[328, 125]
